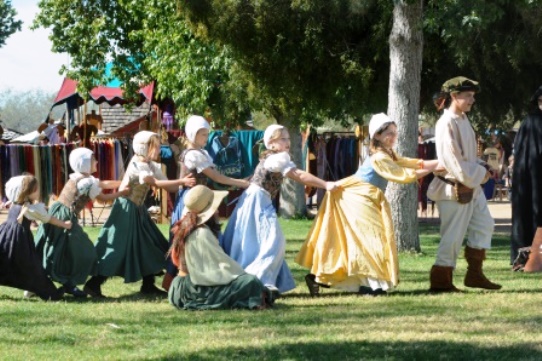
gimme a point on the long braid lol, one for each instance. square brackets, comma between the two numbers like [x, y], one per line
[181, 230]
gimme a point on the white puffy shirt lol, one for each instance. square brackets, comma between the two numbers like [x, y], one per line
[87, 185]
[198, 160]
[140, 170]
[36, 212]
[279, 162]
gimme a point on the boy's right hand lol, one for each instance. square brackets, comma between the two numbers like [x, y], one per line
[68, 224]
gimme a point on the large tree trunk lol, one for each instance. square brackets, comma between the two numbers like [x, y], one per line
[292, 194]
[406, 46]
[292, 199]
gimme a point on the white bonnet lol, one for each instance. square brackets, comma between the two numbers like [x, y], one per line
[81, 160]
[269, 133]
[141, 142]
[13, 187]
[377, 122]
[193, 124]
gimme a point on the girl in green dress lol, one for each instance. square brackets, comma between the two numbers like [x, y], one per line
[130, 245]
[69, 257]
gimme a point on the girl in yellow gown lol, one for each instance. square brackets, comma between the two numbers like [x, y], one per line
[351, 245]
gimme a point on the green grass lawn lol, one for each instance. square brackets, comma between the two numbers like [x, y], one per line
[408, 324]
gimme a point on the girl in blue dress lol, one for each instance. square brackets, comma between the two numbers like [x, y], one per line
[253, 236]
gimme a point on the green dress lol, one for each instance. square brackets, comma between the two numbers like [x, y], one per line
[215, 281]
[130, 245]
[68, 256]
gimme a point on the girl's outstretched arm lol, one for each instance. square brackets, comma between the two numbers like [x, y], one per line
[310, 180]
[222, 179]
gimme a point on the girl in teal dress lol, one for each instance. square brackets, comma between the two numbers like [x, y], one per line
[69, 257]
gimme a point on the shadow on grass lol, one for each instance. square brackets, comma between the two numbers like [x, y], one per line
[134, 297]
[364, 350]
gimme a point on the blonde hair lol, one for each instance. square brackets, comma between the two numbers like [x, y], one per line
[153, 145]
[274, 136]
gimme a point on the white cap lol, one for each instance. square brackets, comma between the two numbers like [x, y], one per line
[377, 122]
[193, 124]
[13, 187]
[141, 142]
[81, 160]
[269, 132]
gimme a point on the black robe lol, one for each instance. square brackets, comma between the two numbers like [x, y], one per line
[527, 182]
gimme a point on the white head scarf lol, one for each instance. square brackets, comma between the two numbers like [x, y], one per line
[81, 160]
[377, 122]
[193, 124]
[269, 133]
[13, 187]
[141, 142]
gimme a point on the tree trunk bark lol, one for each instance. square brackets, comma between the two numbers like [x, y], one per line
[406, 46]
[292, 194]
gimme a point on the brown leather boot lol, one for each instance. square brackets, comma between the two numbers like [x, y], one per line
[475, 277]
[441, 279]
[166, 281]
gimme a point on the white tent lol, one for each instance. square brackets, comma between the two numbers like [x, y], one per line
[29, 138]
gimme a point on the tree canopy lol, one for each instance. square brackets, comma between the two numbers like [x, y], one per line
[8, 23]
[145, 41]
[304, 58]
[310, 59]
[24, 111]
[494, 42]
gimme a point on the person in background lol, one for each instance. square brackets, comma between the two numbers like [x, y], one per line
[43, 140]
[461, 203]
[351, 245]
[527, 187]
[20, 264]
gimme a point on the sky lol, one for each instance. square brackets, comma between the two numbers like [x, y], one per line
[26, 60]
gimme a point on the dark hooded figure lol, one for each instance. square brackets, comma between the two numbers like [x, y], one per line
[527, 176]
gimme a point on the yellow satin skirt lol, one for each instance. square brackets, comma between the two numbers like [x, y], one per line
[352, 242]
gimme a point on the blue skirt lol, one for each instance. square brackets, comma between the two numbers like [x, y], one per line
[254, 239]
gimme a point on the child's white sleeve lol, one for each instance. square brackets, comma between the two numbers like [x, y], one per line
[198, 160]
[89, 186]
[37, 212]
[279, 162]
